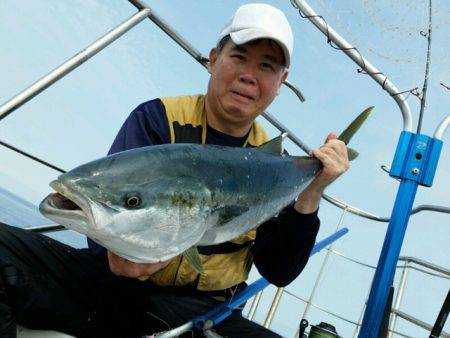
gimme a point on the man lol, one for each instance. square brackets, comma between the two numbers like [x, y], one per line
[93, 293]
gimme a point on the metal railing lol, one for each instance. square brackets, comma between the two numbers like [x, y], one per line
[71, 64]
[216, 315]
[395, 312]
[146, 12]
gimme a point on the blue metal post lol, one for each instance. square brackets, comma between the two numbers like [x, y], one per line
[388, 259]
[415, 162]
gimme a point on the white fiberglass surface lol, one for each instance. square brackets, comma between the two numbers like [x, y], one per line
[75, 121]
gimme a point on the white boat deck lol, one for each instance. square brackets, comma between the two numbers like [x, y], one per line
[27, 333]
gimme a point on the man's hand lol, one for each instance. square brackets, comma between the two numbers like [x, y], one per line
[123, 267]
[333, 155]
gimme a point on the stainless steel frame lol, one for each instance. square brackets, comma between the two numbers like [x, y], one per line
[84, 55]
[322, 268]
[145, 11]
[356, 56]
[318, 21]
[254, 305]
[273, 307]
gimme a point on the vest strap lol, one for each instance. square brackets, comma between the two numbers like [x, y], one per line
[223, 248]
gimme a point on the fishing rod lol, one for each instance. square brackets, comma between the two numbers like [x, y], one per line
[416, 157]
[415, 163]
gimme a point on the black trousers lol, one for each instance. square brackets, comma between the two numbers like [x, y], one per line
[45, 284]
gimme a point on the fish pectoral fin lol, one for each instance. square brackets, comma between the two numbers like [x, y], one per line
[227, 213]
[193, 257]
[274, 146]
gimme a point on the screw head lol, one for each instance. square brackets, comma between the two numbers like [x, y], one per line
[415, 171]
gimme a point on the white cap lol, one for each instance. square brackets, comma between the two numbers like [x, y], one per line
[260, 21]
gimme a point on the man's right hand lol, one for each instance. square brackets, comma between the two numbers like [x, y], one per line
[123, 267]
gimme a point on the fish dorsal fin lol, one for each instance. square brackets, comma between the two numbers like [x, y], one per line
[193, 258]
[274, 146]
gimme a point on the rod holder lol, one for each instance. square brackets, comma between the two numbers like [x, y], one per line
[416, 158]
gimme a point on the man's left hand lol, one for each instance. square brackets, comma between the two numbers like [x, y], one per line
[334, 158]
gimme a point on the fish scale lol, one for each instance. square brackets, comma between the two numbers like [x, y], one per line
[214, 194]
[207, 195]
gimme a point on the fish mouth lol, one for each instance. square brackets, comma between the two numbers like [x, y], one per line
[66, 203]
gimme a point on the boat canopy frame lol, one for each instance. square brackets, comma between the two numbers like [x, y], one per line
[144, 11]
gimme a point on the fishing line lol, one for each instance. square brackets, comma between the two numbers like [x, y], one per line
[427, 69]
[34, 158]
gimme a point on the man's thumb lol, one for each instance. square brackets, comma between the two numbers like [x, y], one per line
[331, 136]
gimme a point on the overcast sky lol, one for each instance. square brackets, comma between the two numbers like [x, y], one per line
[75, 120]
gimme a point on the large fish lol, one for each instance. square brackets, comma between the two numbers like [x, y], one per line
[153, 203]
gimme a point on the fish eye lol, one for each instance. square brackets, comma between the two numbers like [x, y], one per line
[132, 201]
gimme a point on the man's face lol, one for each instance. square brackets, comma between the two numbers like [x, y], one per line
[244, 80]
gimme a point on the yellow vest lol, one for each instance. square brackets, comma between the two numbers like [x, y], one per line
[187, 122]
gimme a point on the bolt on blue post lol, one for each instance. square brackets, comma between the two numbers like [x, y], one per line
[415, 162]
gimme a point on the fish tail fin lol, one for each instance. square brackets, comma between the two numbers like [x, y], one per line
[351, 130]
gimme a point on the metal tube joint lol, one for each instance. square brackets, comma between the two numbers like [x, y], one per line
[440, 130]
